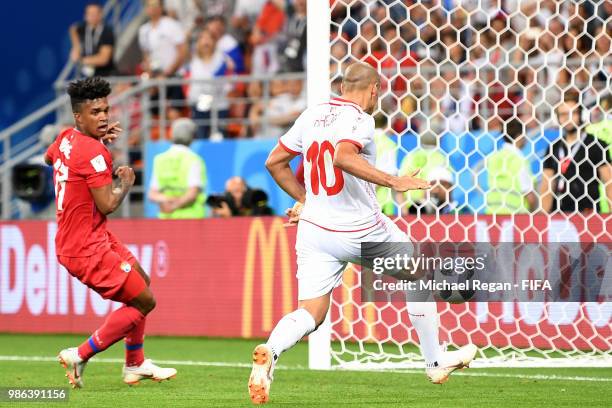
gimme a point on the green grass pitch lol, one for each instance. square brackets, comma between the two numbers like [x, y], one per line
[213, 373]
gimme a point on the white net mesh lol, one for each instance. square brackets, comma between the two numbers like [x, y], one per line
[460, 78]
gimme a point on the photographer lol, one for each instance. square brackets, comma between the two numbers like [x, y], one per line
[239, 200]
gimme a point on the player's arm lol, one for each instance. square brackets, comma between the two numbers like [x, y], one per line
[348, 159]
[107, 198]
[278, 166]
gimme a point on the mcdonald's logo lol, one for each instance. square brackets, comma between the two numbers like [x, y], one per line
[268, 242]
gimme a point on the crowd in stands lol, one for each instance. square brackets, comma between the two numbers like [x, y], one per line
[465, 65]
[447, 66]
[207, 40]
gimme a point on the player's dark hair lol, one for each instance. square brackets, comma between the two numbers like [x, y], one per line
[514, 130]
[82, 90]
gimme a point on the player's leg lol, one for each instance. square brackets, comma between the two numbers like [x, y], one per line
[114, 328]
[136, 367]
[112, 278]
[423, 314]
[287, 332]
[319, 272]
[134, 340]
[138, 302]
[297, 324]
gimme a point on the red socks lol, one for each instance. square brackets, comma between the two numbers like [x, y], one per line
[134, 341]
[117, 325]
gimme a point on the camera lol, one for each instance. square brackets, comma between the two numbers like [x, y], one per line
[254, 202]
[215, 200]
[33, 182]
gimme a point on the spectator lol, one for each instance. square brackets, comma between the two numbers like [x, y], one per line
[244, 17]
[93, 43]
[239, 200]
[226, 42]
[338, 57]
[599, 64]
[264, 37]
[511, 184]
[574, 165]
[456, 103]
[163, 43]
[286, 104]
[208, 63]
[603, 131]
[294, 44]
[178, 183]
[186, 12]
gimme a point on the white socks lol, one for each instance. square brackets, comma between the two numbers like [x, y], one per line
[423, 315]
[424, 318]
[289, 330]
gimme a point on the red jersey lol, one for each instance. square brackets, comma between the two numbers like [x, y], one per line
[79, 163]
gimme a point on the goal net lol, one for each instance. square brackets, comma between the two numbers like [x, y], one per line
[455, 74]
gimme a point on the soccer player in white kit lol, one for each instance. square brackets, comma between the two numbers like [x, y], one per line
[337, 211]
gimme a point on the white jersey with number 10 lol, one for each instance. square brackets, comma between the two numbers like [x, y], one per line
[335, 200]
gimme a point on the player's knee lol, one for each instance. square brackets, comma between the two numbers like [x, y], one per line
[318, 314]
[319, 318]
[150, 304]
[145, 302]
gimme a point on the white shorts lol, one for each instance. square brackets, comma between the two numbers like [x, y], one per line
[322, 255]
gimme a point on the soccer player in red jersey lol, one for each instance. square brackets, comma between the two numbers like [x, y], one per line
[82, 170]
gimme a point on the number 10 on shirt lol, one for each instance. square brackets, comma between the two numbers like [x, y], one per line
[321, 158]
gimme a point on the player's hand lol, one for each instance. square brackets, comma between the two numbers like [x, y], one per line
[126, 175]
[294, 214]
[112, 133]
[410, 182]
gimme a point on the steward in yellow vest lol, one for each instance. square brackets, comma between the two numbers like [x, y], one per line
[178, 183]
[511, 183]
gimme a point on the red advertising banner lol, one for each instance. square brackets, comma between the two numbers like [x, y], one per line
[236, 278]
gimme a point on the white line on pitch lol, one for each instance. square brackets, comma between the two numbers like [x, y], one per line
[298, 367]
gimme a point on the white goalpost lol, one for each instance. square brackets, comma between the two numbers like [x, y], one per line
[454, 72]
[318, 91]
